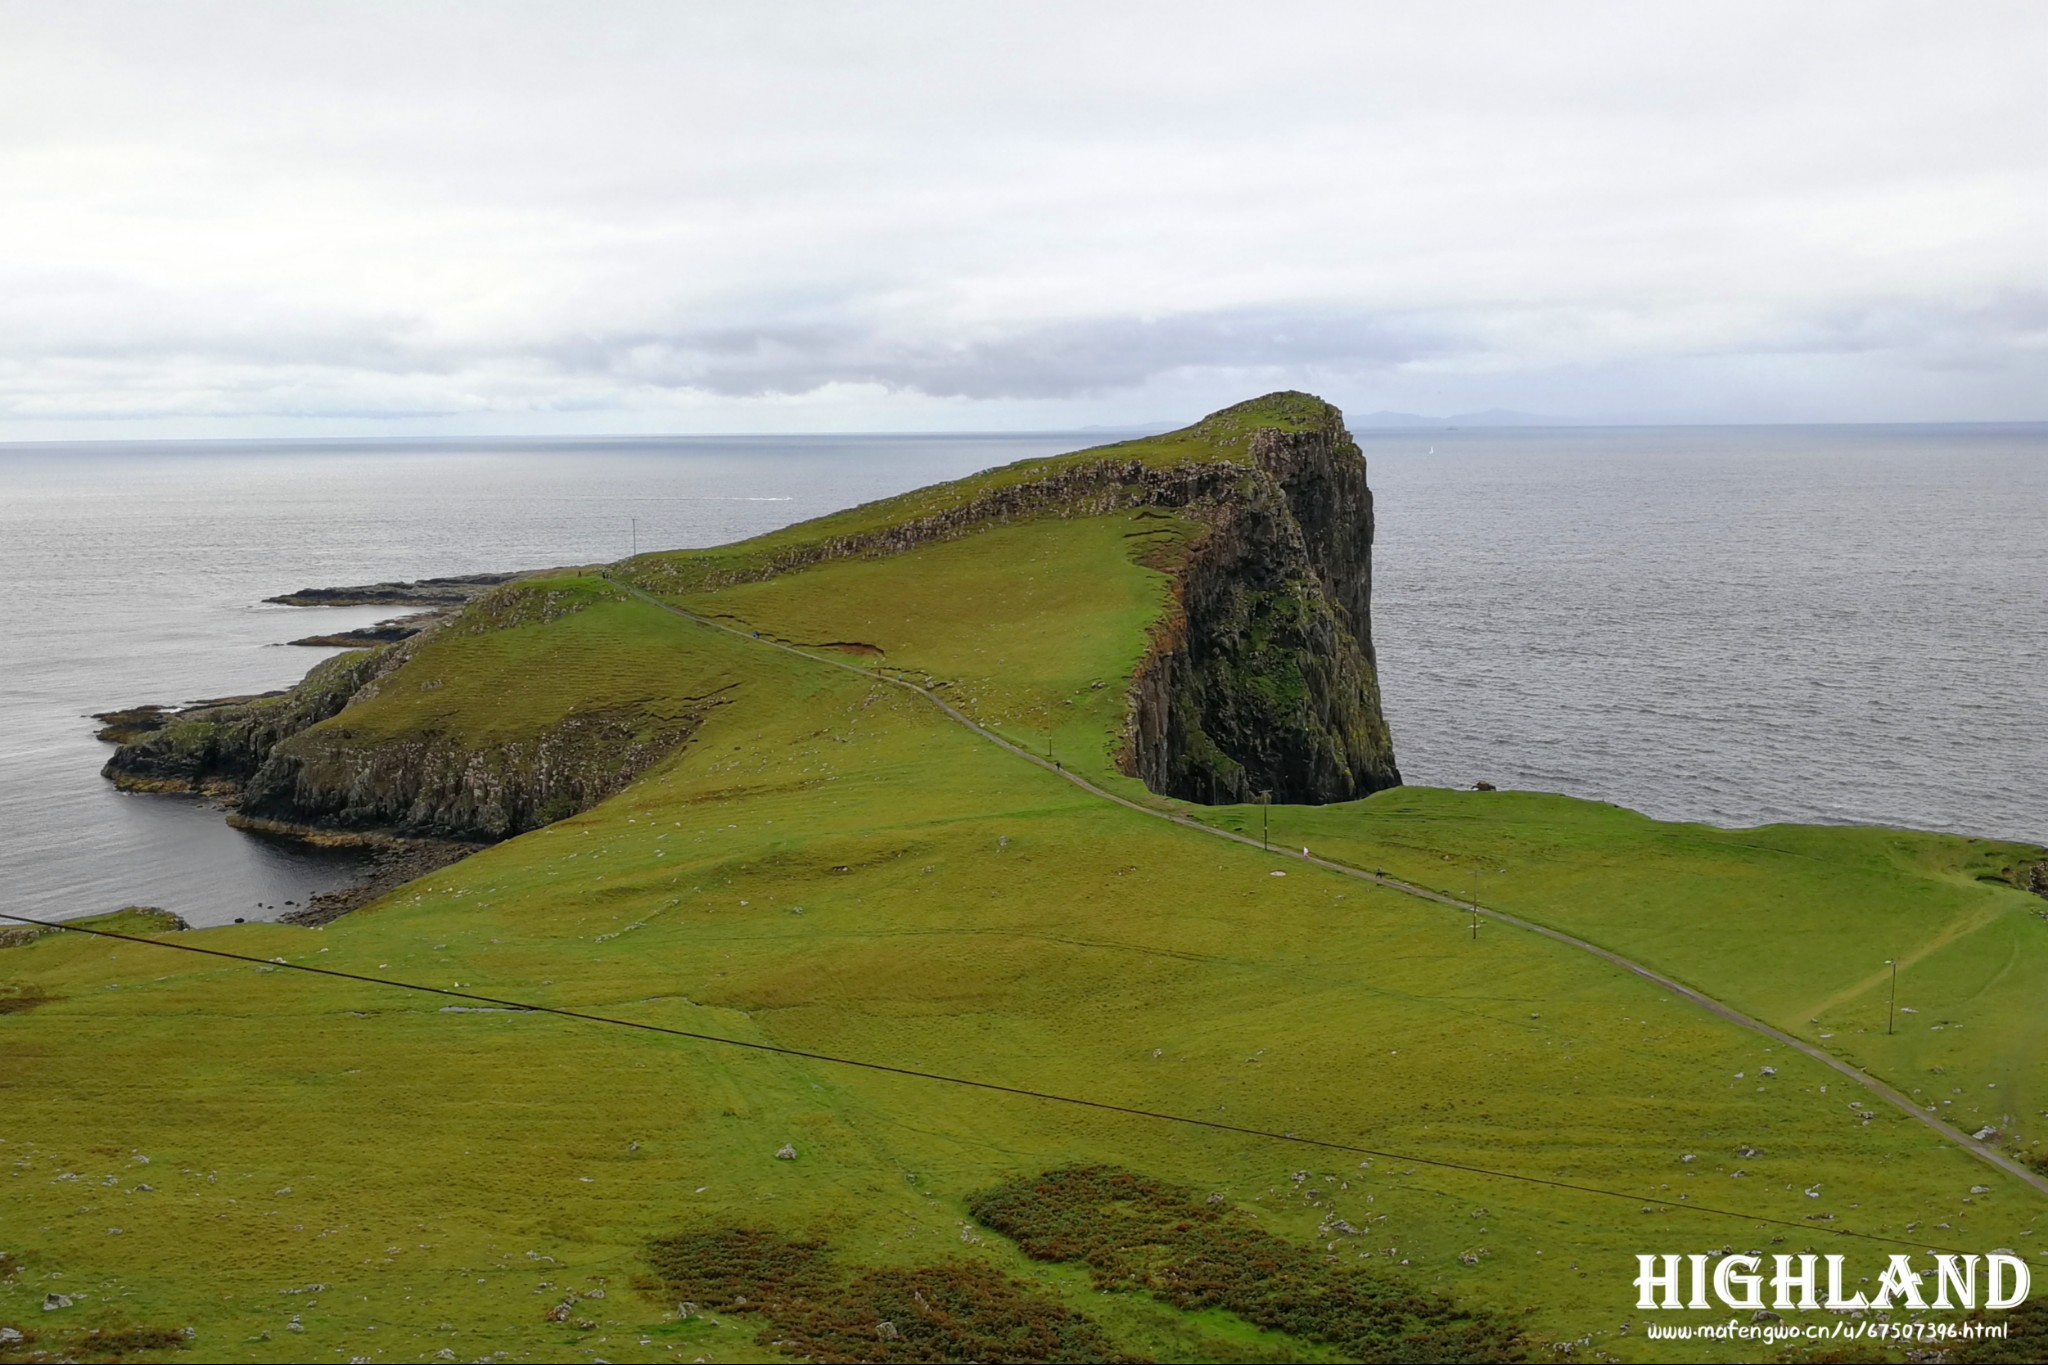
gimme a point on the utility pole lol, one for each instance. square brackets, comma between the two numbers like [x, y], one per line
[1891, 1010]
[1266, 821]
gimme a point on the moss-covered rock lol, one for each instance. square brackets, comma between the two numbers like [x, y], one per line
[1263, 678]
[439, 784]
[343, 751]
[216, 746]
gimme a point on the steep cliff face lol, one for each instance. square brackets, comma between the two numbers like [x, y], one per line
[475, 730]
[214, 748]
[440, 785]
[1263, 679]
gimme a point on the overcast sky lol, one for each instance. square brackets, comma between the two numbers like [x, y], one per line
[416, 218]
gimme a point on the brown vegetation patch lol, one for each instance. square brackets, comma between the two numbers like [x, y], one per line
[958, 1311]
[19, 997]
[1136, 1233]
[93, 1343]
[2025, 1342]
[962, 1311]
[739, 1269]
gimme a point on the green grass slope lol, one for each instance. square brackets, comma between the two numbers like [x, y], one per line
[832, 866]
[556, 647]
[304, 1167]
[1033, 630]
[1222, 438]
[1794, 924]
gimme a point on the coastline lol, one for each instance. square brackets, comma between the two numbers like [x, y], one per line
[395, 862]
[223, 738]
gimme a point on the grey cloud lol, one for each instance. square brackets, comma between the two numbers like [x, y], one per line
[2006, 330]
[1065, 360]
[392, 367]
[1047, 213]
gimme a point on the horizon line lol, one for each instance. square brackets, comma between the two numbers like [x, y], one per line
[1421, 426]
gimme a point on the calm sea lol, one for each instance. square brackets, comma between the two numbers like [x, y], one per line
[1738, 625]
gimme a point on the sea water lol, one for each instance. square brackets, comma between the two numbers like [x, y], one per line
[1736, 625]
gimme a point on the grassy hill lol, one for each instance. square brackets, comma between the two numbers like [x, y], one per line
[304, 1167]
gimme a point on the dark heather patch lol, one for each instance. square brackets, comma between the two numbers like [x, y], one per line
[738, 1269]
[962, 1311]
[2025, 1343]
[19, 997]
[1136, 1233]
[93, 1344]
[957, 1311]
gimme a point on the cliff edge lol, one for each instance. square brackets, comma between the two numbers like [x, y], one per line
[1263, 679]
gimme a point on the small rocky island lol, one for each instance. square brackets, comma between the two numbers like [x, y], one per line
[419, 592]
[435, 597]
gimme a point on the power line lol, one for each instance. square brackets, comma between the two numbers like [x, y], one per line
[1103, 1106]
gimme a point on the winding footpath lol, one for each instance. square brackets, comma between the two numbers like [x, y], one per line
[1982, 1151]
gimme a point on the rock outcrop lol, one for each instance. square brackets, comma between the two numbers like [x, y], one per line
[1262, 679]
[213, 748]
[422, 592]
[294, 763]
[437, 785]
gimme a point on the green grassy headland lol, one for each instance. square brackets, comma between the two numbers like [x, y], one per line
[309, 1168]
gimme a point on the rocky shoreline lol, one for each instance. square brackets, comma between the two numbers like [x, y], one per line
[417, 800]
[419, 592]
[211, 748]
[438, 598]
[368, 637]
[396, 862]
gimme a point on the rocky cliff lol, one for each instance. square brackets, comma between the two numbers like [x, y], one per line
[302, 761]
[213, 748]
[437, 784]
[1262, 678]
